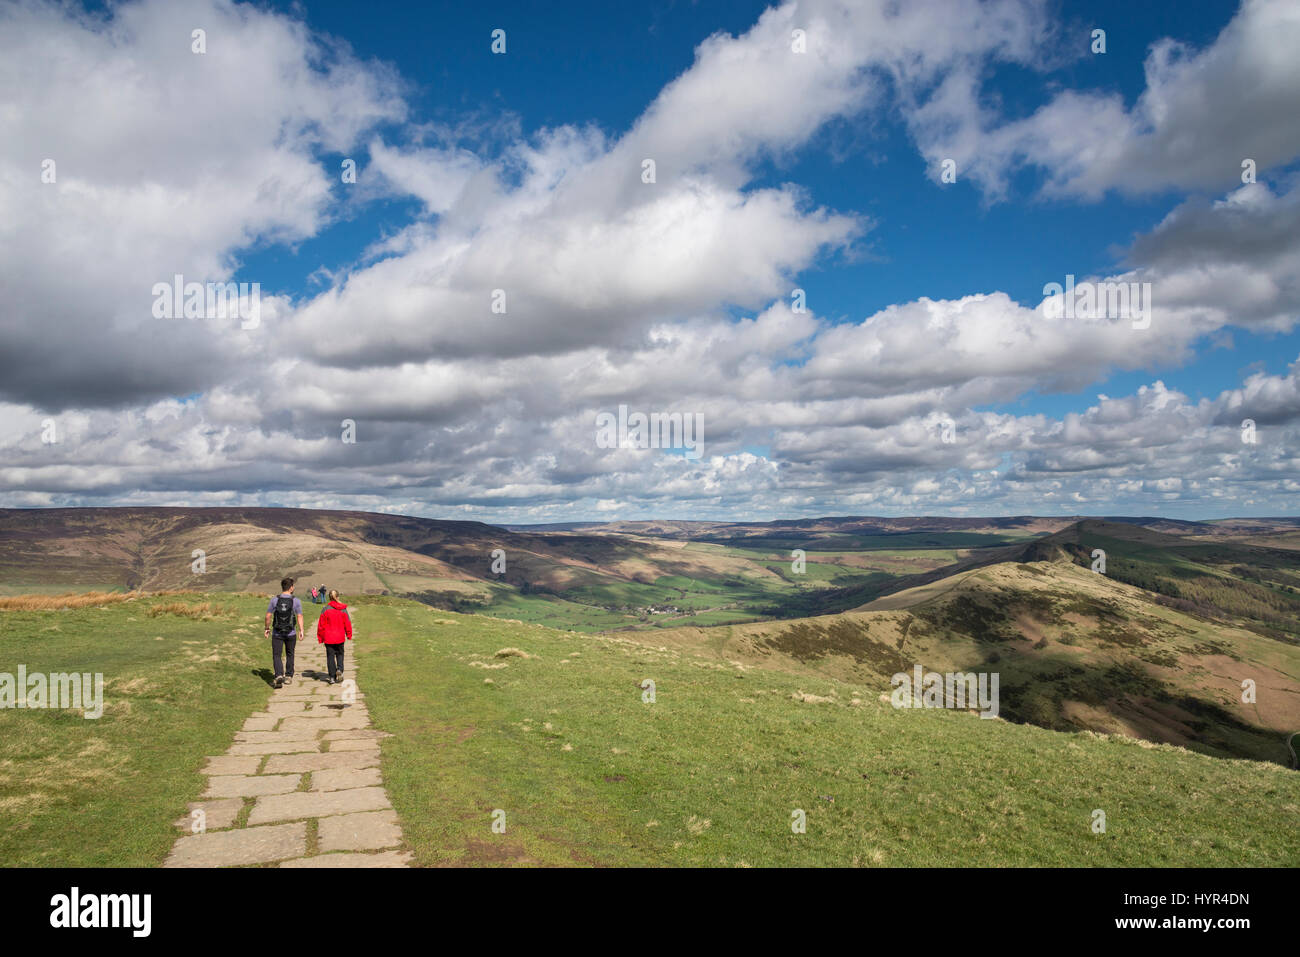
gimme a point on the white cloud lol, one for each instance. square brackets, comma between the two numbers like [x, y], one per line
[167, 162]
[1200, 115]
[617, 291]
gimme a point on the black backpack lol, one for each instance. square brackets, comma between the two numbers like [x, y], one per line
[283, 620]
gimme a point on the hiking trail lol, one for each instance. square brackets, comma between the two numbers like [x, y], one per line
[301, 785]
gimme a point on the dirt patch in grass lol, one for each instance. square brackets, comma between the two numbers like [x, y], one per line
[485, 852]
[200, 611]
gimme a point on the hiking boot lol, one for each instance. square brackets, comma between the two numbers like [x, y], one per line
[288, 679]
[279, 681]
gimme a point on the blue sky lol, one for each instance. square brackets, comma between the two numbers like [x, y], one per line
[602, 63]
[519, 171]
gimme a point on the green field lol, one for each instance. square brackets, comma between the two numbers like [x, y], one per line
[710, 773]
[94, 793]
[589, 773]
[767, 589]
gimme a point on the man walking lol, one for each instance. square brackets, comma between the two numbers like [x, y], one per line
[281, 615]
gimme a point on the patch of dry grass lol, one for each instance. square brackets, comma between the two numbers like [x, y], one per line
[61, 602]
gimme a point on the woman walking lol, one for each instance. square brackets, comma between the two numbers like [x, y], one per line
[332, 629]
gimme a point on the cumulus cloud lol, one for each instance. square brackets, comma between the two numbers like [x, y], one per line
[670, 296]
[166, 162]
[1201, 114]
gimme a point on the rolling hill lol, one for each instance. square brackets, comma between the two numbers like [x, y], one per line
[553, 727]
[1075, 650]
[1156, 648]
[588, 581]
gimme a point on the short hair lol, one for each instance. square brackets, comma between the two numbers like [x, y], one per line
[334, 594]
[286, 584]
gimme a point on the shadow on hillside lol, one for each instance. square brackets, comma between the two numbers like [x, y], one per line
[1035, 690]
[1057, 690]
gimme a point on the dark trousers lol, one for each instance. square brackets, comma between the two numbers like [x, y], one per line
[285, 644]
[334, 658]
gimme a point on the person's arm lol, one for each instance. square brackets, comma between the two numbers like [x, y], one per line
[302, 632]
[347, 625]
[268, 623]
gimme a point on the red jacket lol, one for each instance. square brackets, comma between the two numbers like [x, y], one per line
[334, 625]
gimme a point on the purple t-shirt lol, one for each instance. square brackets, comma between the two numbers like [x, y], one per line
[297, 610]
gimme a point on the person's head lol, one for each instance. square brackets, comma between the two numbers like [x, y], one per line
[334, 594]
[286, 584]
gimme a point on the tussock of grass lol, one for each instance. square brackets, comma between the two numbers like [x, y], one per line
[807, 698]
[513, 653]
[201, 611]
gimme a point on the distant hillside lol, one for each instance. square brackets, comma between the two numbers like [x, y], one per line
[572, 580]
[1014, 526]
[252, 548]
[647, 574]
[1255, 586]
[1075, 651]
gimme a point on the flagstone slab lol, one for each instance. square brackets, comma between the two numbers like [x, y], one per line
[286, 707]
[250, 737]
[241, 785]
[353, 744]
[216, 814]
[337, 779]
[344, 722]
[242, 846]
[272, 747]
[368, 831]
[384, 859]
[298, 763]
[233, 764]
[288, 807]
[337, 707]
[356, 734]
[260, 724]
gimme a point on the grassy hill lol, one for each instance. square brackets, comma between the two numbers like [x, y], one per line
[1254, 585]
[551, 727]
[1074, 650]
[1157, 648]
[625, 574]
[588, 582]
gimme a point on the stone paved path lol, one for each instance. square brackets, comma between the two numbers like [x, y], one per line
[301, 785]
